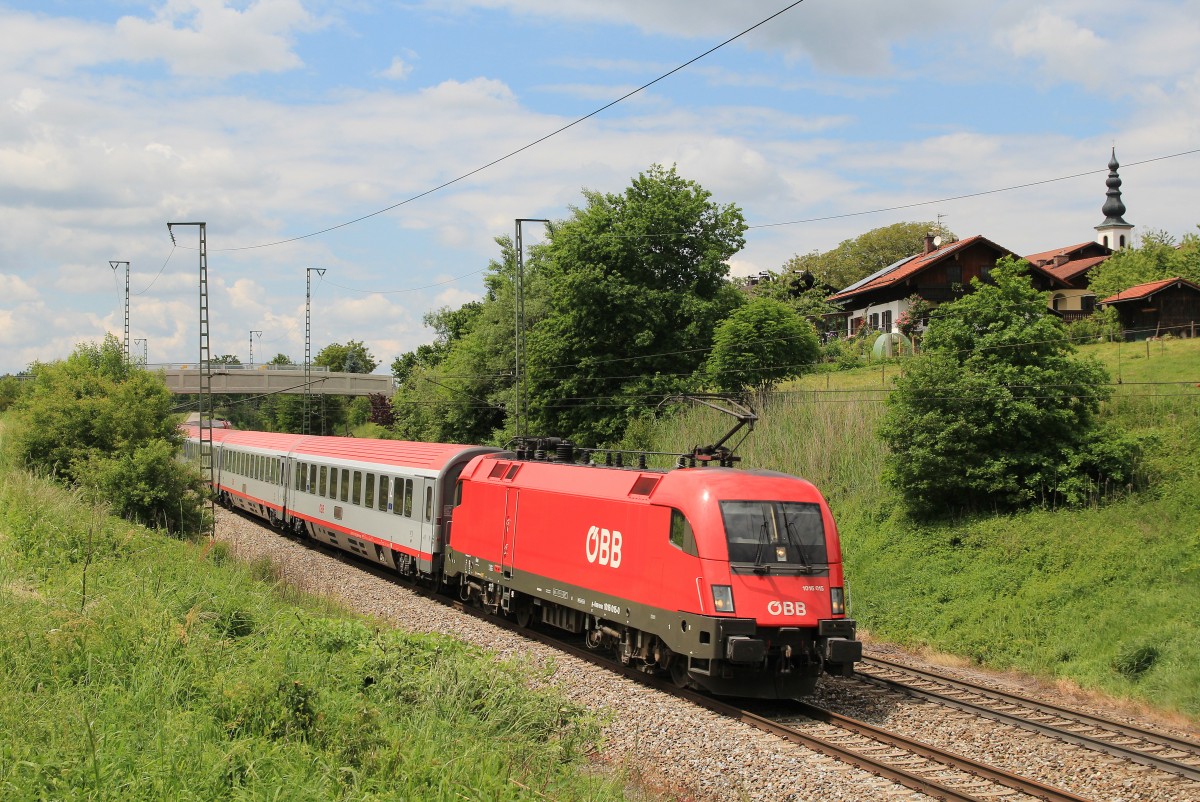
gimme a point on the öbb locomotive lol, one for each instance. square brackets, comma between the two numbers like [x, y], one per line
[729, 580]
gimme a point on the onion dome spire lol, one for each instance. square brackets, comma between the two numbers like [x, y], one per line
[1113, 208]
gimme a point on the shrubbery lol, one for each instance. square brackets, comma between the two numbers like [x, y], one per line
[999, 413]
[98, 423]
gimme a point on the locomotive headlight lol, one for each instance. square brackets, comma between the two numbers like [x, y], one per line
[837, 601]
[722, 598]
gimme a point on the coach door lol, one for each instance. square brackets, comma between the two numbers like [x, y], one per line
[508, 553]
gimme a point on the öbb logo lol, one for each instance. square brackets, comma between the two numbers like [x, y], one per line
[776, 607]
[604, 547]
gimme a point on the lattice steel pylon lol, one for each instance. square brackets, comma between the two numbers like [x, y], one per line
[207, 466]
[308, 271]
[125, 343]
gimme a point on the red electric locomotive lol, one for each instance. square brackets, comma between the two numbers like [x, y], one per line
[728, 580]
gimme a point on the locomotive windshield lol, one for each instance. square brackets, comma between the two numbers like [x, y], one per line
[775, 533]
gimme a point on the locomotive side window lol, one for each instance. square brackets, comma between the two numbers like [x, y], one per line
[356, 498]
[773, 532]
[345, 484]
[383, 493]
[369, 489]
[321, 491]
[682, 536]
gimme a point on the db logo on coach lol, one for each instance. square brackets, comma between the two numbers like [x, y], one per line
[603, 546]
[776, 607]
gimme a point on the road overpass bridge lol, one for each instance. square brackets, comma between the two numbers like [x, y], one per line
[184, 379]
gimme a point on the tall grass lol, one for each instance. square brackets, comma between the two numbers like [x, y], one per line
[139, 667]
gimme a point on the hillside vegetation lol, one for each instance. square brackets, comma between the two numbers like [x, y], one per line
[1107, 596]
[138, 667]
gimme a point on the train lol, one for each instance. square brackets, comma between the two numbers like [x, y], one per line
[727, 580]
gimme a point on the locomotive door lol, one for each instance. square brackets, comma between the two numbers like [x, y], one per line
[509, 536]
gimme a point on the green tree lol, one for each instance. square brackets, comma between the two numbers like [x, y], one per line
[759, 345]
[1158, 257]
[99, 423]
[857, 258]
[999, 412]
[353, 357]
[634, 283]
[10, 390]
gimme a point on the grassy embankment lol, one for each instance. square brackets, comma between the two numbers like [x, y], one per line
[133, 666]
[1107, 596]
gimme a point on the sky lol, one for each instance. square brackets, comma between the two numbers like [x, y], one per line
[279, 123]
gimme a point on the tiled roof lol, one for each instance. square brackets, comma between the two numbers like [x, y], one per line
[1074, 268]
[1047, 256]
[907, 267]
[1146, 290]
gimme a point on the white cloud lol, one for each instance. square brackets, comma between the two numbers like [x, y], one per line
[398, 70]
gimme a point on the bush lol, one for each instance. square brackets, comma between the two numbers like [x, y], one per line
[999, 413]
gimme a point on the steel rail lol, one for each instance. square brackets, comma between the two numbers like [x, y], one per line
[1075, 716]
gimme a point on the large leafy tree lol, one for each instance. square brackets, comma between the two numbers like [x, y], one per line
[859, 257]
[1159, 256]
[635, 283]
[759, 345]
[999, 412]
[99, 423]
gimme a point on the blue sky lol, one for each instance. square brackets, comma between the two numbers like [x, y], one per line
[274, 119]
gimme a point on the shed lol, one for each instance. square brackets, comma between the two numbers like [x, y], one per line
[1166, 306]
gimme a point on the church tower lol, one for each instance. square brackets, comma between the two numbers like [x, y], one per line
[1114, 232]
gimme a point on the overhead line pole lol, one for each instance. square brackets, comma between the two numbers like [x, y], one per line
[520, 376]
[207, 466]
[308, 271]
[252, 333]
[125, 343]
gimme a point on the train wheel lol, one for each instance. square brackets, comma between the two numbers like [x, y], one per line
[523, 616]
[679, 671]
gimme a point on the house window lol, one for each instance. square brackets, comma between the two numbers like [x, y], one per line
[1122, 240]
[1056, 301]
[874, 321]
[887, 320]
[1088, 304]
[954, 273]
[1105, 240]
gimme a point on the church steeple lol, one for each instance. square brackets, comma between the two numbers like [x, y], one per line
[1114, 231]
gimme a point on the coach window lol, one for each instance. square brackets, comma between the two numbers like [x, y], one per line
[682, 536]
[428, 503]
[312, 478]
[408, 491]
[345, 484]
[383, 492]
[369, 490]
[357, 498]
[321, 489]
[300, 473]
[397, 494]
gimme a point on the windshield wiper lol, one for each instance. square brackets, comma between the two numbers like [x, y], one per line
[759, 566]
[796, 541]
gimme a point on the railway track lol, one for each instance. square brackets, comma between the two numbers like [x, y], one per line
[893, 756]
[1156, 750]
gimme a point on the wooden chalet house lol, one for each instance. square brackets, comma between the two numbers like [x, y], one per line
[1072, 265]
[1166, 306]
[938, 274]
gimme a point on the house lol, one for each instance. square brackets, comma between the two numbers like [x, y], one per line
[1072, 264]
[938, 274]
[1166, 306]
